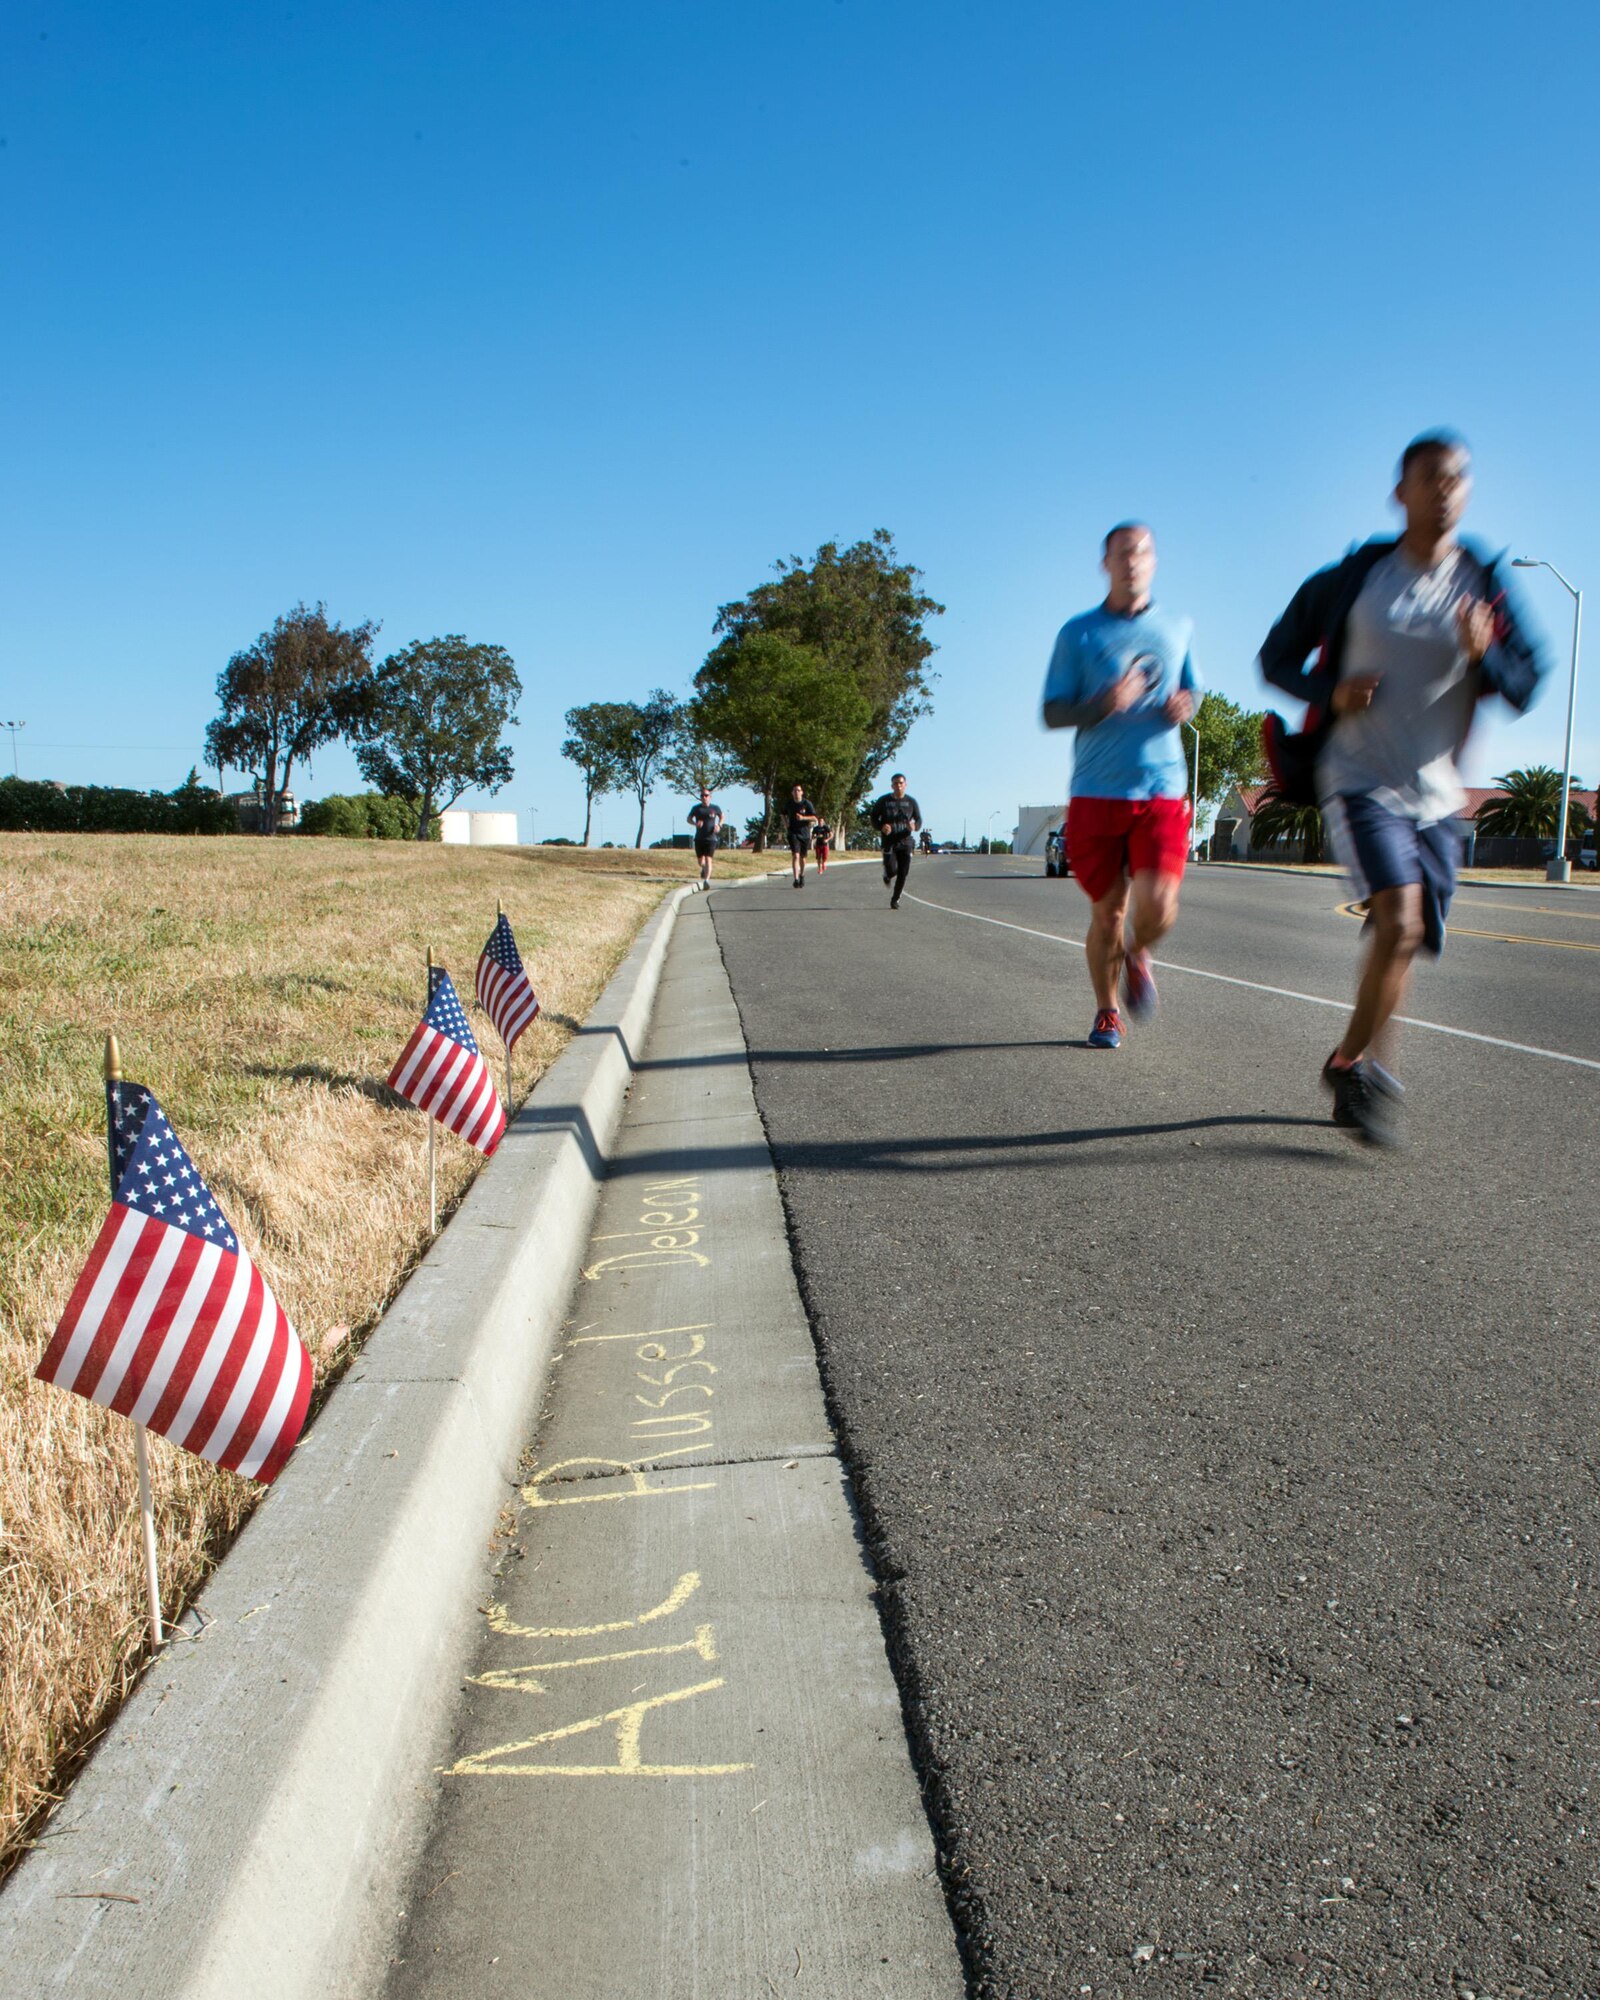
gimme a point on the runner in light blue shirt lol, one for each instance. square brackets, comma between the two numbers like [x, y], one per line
[1123, 677]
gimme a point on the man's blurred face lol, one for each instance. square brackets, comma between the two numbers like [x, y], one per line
[898, 787]
[1434, 490]
[705, 796]
[797, 791]
[1130, 563]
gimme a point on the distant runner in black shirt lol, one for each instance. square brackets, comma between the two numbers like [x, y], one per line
[706, 819]
[822, 840]
[898, 818]
[802, 816]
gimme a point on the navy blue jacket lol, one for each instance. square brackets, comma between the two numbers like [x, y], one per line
[1315, 624]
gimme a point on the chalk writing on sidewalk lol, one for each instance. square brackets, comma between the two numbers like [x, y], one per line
[667, 1416]
[671, 1236]
[626, 1722]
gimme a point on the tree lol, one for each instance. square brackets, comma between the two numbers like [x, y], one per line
[861, 611]
[363, 816]
[785, 716]
[1230, 747]
[643, 737]
[1531, 806]
[595, 730]
[299, 686]
[432, 720]
[1278, 818]
[693, 761]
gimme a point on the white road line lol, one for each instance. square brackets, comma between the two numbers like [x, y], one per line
[1280, 992]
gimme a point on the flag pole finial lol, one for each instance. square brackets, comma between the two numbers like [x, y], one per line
[499, 906]
[430, 958]
[113, 1060]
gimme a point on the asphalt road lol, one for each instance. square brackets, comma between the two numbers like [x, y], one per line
[1235, 1489]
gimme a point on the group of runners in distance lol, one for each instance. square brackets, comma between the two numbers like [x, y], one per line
[1390, 648]
[897, 816]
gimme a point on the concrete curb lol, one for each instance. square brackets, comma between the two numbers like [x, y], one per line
[246, 1824]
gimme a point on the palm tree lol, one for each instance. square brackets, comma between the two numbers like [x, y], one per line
[1531, 806]
[1277, 818]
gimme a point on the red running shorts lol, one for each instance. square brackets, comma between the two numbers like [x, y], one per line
[1110, 838]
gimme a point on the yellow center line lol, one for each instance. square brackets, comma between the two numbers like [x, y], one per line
[1359, 910]
[1538, 910]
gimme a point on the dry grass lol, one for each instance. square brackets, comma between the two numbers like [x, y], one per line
[261, 989]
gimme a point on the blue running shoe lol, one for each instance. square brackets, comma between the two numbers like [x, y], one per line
[1139, 986]
[1107, 1030]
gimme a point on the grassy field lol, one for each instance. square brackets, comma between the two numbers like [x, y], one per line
[261, 989]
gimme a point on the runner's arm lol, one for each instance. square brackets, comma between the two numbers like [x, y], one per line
[1185, 699]
[1064, 703]
[1517, 660]
[1298, 633]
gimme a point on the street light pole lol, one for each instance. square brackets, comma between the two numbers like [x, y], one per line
[989, 834]
[13, 727]
[1560, 868]
[1194, 794]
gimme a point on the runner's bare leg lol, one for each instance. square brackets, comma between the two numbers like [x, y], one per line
[1103, 946]
[1155, 907]
[1396, 934]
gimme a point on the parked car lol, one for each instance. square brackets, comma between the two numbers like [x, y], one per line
[1055, 853]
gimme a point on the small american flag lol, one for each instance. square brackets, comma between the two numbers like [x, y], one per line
[170, 1323]
[503, 990]
[441, 1071]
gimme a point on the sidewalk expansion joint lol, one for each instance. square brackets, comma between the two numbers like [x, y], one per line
[457, 1379]
[623, 1468]
[687, 1118]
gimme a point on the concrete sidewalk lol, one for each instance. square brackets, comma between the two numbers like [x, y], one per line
[679, 1769]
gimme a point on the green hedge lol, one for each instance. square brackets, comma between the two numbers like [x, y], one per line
[27, 807]
[362, 816]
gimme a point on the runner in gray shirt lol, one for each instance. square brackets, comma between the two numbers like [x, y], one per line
[1409, 637]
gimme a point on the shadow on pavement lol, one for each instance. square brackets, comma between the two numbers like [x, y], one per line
[955, 1153]
[895, 1052]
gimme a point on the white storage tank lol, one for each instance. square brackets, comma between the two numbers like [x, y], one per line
[478, 829]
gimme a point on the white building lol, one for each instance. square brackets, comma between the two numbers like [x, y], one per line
[1034, 826]
[458, 828]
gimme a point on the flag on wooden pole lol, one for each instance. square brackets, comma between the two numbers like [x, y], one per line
[170, 1323]
[441, 1071]
[504, 993]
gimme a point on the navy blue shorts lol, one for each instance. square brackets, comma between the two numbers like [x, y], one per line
[1385, 850]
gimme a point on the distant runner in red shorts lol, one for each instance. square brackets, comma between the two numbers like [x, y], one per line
[1122, 675]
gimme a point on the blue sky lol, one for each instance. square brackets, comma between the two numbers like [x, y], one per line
[556, 324]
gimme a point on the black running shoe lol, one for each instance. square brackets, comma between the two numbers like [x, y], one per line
[1366, 1098]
